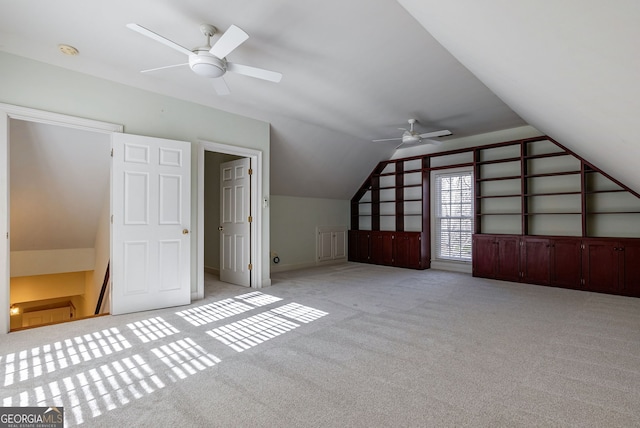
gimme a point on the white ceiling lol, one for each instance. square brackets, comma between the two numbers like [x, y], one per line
[354, 71]
[570, 68]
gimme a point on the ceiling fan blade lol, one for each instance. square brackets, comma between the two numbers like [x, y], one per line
[158, 38]
[231, 39]
[434, 142]
[386, 139]
[259, 73]
[220, 86]
[442, 133]
[162, 68]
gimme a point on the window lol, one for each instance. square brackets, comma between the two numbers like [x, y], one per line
[454, 215]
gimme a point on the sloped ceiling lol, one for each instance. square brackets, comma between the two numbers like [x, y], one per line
[59, 180]
[571, 68]
[353, 71]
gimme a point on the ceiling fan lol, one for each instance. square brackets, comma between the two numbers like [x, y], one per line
[409, 136]
[210, 61]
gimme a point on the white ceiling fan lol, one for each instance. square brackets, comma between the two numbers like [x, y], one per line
[409, 136]
[210, 61]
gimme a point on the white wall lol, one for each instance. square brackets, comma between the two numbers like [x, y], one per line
[293, 227]
[37, 85]
[103, 254]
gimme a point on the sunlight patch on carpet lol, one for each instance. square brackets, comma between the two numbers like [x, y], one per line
[216, 311]
[29, 364]
[152, 329]
[257, 298]
[91, 393]
[249, 332]
[300, 313]
[185, 358]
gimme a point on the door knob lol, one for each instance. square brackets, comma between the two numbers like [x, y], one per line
[220, 228]
[185, 231]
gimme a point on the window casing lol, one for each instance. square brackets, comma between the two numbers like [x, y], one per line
[453, 214]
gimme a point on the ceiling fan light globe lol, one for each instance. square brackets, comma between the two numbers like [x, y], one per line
[207, 65]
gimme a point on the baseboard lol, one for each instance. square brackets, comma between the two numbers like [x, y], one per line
[211, 270]
[280, 267]
[287, 267]
[451, 266]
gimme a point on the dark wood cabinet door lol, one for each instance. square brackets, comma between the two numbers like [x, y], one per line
[508, 266]
[600, 261]
[630, 253]
[382, 247]
[364, 246]
[566, 262]
[353, 246]
[484, 256]
[408, 249]
[535, 260]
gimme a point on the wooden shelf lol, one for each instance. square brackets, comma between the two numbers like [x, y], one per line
[552, 174]
[546, 155]
[612, 212]
[553, 193]
[511, 177]
[593, 192]
[555, 213]
[494, 161]
[499, 196]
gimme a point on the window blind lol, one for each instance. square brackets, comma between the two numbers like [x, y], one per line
[454, 215]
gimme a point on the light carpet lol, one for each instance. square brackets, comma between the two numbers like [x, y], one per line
[348, 345]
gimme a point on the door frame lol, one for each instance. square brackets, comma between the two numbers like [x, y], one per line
[8, 112]
[255, 211]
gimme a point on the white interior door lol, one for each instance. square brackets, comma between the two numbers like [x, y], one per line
[235, 226]
[151, 207]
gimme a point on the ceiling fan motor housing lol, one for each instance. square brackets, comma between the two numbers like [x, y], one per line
[206, 65]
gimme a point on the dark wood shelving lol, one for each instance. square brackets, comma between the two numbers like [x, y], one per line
[612, 212]
[552, 174]
[503, 160]
[592, 192]
[500, 196]
[555, 213]
[546, 155]
[484, 214]
[510, 177]
[517, 246]
[552, 194]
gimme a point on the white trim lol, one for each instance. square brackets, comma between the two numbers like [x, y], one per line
[7, 112]
[451, 266]
[46, 117]
[444, 264]
[256, 210]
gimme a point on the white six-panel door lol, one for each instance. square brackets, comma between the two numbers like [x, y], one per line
[234, 222]
[151, 207]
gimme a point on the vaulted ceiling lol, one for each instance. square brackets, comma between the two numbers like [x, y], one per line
[354, 72]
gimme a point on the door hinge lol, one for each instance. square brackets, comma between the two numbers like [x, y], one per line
[111, 218]
[111, 152]
[250, 266]
[250, 171]
[250, 219]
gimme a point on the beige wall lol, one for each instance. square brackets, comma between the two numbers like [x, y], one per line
[37, 85]
[294, 223]
[212, 161]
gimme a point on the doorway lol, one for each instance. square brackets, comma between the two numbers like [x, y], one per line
[257, 203]
[59, 221]
[34, 252]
